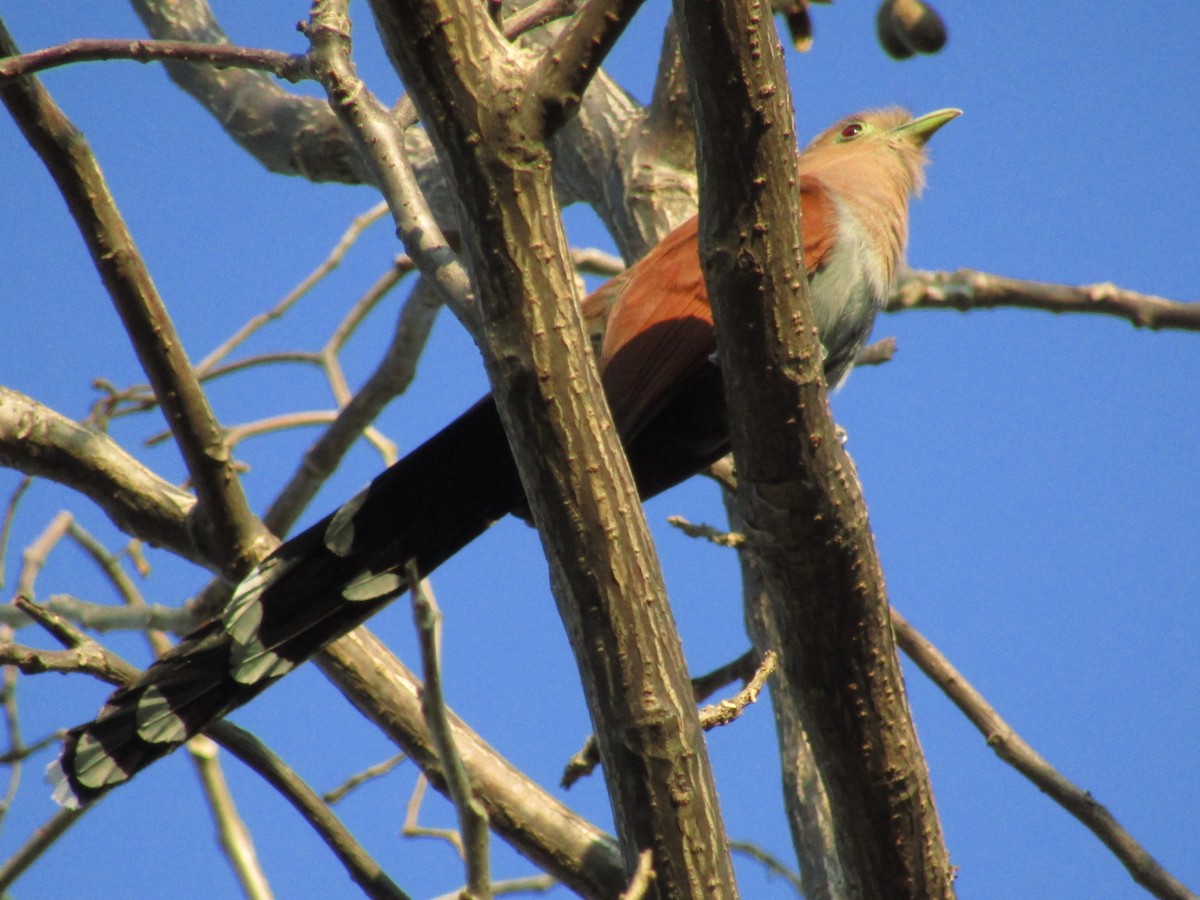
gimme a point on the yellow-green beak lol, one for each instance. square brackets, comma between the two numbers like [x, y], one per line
[921, 129]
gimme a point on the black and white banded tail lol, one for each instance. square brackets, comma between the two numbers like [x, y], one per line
[312, 590]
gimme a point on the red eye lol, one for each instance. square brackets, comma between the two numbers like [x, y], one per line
[854, 129]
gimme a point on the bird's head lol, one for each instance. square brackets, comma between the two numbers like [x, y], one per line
[870, 164]
[885, 146]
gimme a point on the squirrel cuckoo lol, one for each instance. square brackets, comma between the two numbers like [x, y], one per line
[663, 386]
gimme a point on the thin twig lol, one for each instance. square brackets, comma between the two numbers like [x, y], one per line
[707, 532]
[38, 842]
[876, 353]
[109, 564]
[33, 559]
[361, 868]
[359, 778]
[583, 763]
[412, 813]
[113, 669]
[772, 863]
[17, 751]
[56, 626]
[10, 513]
[391, 378]
[726, 711]
[232, 833]
[88, 658]
[234, 836]
[967, 289]
[359, 864]
[741, 669]
[640, 883]
[105, 617]
[1015, 751]
[287, 421]
[288, 66]
[472, 817]
[28, 750]
[354, 317]
[593, 261]
[334, 259]
[747, 668]
[380, 139]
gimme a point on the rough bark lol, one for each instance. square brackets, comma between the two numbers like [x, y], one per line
[798, 492]
[490, 110]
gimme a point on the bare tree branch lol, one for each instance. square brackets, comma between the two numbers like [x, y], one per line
[568, 66]
[718, 714]
[360, 778]
[662, 165]
[232, 833]
[533, 821]
[642, 881]
[348, 239]
[288, 66]
[412, 813]
[10, 508]
[37, 844]
[362, 868]
[89, 658]
[1015, 751]
[228, 528]
[967, 289]
[105, 617]
[381, 141]
[772, 865]
[36, 440]
[472, 817]
[389, 379]
[286, 133]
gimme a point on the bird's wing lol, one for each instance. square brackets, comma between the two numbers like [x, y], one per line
[818, 223]
[659, 329]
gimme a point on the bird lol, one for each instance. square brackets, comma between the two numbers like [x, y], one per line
[663, 385]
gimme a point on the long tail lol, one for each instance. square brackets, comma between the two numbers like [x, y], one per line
[313, 589]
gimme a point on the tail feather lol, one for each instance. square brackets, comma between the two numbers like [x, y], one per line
[312, 590]
[144, 721]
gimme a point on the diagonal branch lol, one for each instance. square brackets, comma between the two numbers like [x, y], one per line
[389, 379]
[359, 864]
[41, 840]
[569, 64]
[380, 139]
[1015, 751]
[36, 440]
[287, 133]
[532, 820]
[229, 531]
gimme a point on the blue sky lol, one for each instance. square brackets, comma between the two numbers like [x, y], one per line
[1031, 478]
